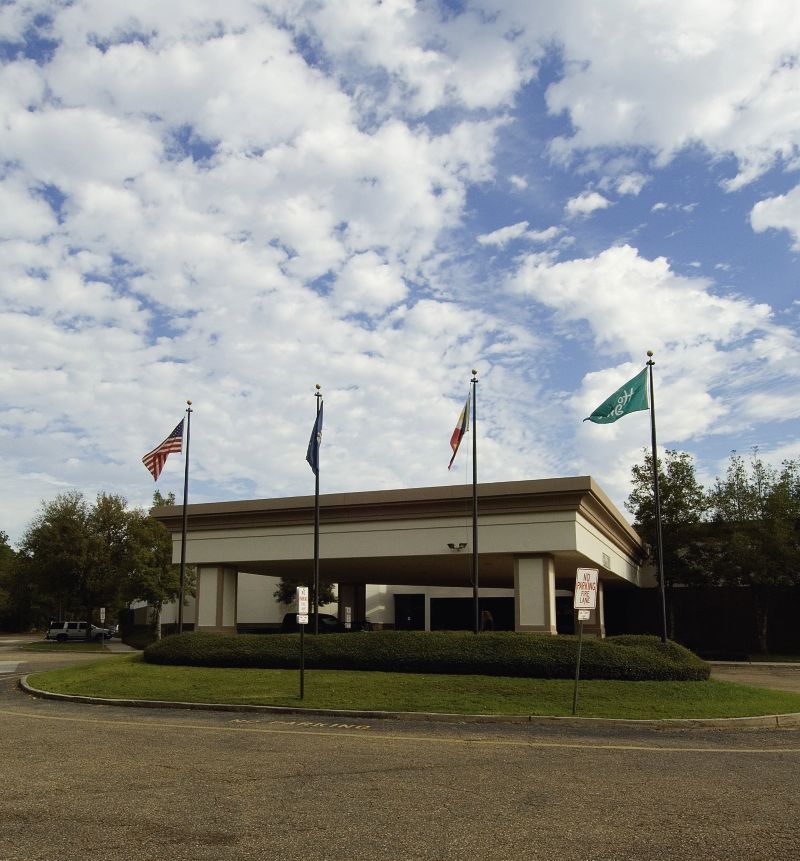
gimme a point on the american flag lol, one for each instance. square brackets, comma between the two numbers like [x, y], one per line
[154, 460]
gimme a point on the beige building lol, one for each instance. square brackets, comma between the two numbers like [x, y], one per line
[403, 558]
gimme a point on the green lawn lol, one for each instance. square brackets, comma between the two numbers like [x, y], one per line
[130, 677]
[70, 646]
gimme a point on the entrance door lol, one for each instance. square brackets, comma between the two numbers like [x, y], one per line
[409, 612]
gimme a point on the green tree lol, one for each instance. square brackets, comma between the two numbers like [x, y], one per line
[79, 555]
[756, 534]
[287, 591]
[683, 507]
[12, 596]
[153, 577]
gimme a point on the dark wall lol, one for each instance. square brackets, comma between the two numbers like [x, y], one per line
[716, 622]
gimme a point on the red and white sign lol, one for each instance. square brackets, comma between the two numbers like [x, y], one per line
[586, 589]
[302, 605]
[302, 599]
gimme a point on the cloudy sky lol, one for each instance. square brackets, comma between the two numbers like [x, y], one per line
[233, 206]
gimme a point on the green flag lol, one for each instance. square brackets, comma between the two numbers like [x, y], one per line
[628, 399]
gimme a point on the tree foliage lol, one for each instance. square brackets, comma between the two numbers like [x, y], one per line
[755, 512]
[287, 591]
[744, 531]
[82, 557]
[9, 591]
[683, 504]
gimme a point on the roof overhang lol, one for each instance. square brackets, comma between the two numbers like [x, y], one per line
[404, 536]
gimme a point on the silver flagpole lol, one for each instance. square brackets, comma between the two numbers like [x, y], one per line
[657, 501]
[475, 598]
[318, 396]
[185, 518]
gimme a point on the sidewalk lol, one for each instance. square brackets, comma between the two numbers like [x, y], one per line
[779, 677]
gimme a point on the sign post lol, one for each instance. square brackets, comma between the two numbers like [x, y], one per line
[585, 601]
[302, 621]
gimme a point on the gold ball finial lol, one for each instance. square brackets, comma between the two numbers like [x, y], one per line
[318, 386]
[189, 402]
[474, 372]
[650, 353]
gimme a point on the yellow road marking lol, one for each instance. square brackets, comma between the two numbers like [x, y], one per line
[443, 740]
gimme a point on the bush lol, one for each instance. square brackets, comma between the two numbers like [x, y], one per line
[138, 636]
[501, 653]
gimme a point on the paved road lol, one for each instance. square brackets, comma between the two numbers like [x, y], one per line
[122, 783]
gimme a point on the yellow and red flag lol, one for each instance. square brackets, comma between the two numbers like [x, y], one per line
[462, 426]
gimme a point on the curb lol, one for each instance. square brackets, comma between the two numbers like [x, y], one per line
[784, 721]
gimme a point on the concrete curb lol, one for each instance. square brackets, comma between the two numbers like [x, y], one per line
[784, 721]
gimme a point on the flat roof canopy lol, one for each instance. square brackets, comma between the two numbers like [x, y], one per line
[417, 536]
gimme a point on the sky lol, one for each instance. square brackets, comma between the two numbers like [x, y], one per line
[232, 203]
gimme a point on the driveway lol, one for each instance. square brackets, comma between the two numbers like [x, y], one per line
[780, 677]
[211, 786]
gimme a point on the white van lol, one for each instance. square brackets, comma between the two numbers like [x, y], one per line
[63, 631]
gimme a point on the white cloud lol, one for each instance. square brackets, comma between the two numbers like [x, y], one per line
[503, 235]
[631, 183]
[716, 349]
[779, 213]
[586, 203]
[667, 77]
[368, 284]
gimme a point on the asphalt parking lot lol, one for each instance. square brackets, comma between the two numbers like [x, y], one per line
[136, 783]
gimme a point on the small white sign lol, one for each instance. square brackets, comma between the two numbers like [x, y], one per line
[302, 618]
[302, 601]
[586, 589]
[348, 617]
[584, 615]
[102, 614]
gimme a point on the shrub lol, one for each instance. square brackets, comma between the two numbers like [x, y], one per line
[501, 653]
[138, 636]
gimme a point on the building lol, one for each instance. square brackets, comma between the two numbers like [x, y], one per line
[402, 558]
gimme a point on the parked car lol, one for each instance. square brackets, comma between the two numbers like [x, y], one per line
[63, 631]
[328, 624]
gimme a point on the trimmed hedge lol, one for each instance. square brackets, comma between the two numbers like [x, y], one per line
[501, 653]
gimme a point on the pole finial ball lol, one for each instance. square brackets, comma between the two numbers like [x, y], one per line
[650, 353]
[318, 386]
[474, 372]
[189, 403]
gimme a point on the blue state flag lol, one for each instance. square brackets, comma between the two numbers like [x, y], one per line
[312, 455]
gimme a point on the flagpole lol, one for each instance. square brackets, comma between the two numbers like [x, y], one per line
[185, 517]
[474, 382]
[315, 590]
[657, 501]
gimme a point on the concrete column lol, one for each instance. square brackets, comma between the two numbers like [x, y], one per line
[216, 599]
[535, 594]
[596, 626]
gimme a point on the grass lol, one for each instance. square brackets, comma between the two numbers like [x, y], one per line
[130, 677]
[69, 646]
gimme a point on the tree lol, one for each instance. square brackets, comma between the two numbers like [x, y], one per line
[287, 591]
[756, 535]
[9, 586]
[77, 554]
[153, 577]
[683, 507]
